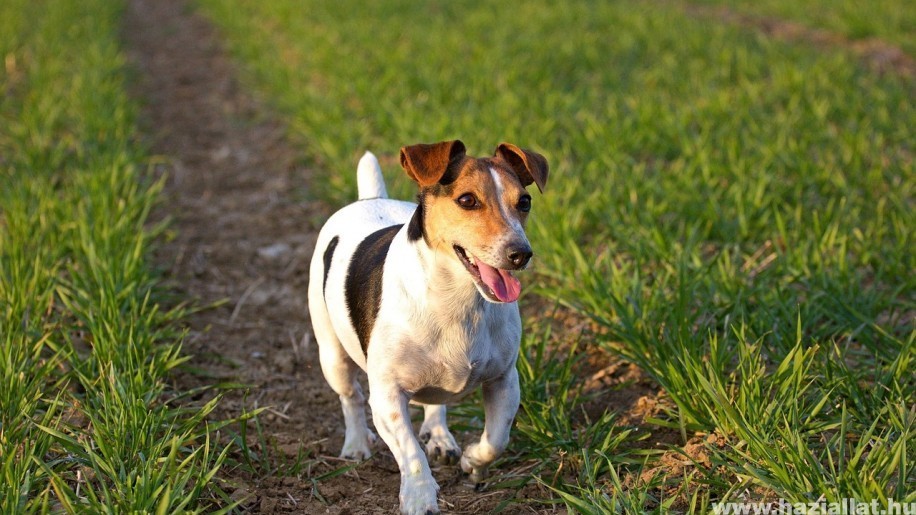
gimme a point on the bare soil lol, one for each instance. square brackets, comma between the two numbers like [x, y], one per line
[242, 236]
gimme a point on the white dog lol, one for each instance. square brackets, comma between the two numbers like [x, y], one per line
[422, 298]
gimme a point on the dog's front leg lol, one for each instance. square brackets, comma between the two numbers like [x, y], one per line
[500, 400]
[392, 421]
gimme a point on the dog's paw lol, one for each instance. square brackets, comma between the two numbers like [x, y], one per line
[441, 448]
[358, 447]
[473, 465]
[418, 497]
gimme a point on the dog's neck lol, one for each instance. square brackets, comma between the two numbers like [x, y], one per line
[453, 308]
[449, 289]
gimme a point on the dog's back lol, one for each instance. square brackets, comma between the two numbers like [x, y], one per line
[360, 231]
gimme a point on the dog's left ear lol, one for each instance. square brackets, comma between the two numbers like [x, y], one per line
[528, 166]
[426, 164]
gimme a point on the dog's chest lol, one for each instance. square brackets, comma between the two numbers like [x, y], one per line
[466, 372]
[450, 379]
[463, 358]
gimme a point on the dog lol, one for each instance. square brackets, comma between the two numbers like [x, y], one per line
[422, 297]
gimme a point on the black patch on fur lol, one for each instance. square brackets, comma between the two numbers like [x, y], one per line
[451, 174]
[328, 255]
[363, 286]
[415, 229]
[440, 190]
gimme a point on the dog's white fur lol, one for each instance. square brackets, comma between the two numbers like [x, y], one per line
[434, 340]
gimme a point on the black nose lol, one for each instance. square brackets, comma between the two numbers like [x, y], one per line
[519, 255]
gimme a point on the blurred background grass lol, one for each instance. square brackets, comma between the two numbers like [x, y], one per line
[888, 20]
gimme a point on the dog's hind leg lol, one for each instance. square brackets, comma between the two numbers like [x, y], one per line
[341, 374]
[441, 447]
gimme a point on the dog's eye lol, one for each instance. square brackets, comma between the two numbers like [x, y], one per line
[524, 204]
[468, 201]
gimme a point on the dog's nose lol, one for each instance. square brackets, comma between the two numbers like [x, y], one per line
[519, 255]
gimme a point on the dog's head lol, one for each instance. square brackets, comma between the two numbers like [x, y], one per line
[473, 210]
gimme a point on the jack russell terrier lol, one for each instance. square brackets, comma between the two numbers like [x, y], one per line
[422, 298]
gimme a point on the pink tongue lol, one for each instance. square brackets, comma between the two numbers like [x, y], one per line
[506, 287]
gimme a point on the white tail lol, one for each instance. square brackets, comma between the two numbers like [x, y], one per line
[369, 180]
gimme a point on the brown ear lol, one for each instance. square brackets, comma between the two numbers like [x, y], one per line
[426, 164]
[528, 166]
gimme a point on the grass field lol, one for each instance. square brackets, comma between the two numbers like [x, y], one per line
[733, 213]
[729, 212]
[889, 20]
[87, 422]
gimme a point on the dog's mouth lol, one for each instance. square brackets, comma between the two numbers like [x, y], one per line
[494, 283]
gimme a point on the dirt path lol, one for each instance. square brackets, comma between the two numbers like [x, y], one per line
[243, 233]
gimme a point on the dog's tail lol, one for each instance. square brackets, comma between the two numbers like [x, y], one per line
[369, 180]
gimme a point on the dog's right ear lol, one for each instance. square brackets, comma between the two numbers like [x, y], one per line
[426, 164]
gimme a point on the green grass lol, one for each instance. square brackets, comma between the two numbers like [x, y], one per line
[890, 20]
[734, 213]
[88, 422]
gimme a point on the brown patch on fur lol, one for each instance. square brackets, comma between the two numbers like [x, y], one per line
[426, 164]
[447, 223]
